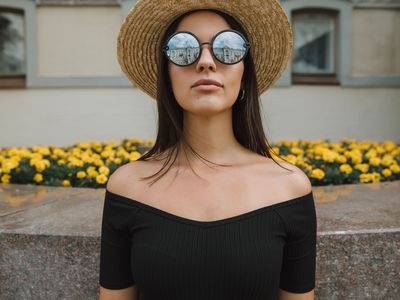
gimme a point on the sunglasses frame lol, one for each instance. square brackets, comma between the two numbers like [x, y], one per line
[165, 48]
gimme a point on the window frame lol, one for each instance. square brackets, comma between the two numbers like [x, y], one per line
[344, 41]
[14, 81]
[327, 78]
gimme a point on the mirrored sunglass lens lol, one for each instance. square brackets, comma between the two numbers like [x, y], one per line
[183, 49]
[229, 47]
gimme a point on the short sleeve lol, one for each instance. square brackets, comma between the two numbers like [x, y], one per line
[115, 267]
[299, 253]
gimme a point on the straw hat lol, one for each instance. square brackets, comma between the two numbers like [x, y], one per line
[264, 21]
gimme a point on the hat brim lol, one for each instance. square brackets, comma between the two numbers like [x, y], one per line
[265, 23]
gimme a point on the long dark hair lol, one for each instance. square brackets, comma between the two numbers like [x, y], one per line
[247, 123]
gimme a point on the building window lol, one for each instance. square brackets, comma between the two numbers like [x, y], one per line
[12, 48]
[314, 48]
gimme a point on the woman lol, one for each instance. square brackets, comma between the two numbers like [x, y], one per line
[241, 228]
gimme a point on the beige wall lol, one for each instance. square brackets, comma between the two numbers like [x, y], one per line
[65, 116]
[376, 42]
[81, 41]
[78, 41]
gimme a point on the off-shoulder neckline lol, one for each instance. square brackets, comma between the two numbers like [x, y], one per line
[133, 202]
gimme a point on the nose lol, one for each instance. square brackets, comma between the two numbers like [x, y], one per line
[206, 60]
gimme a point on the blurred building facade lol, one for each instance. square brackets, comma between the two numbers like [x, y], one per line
[60, 81]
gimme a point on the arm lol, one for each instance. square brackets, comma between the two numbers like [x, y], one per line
[115, 254]
[129, 293]
[301, 251]
[283, 295]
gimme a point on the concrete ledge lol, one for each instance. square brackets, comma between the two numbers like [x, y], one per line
[50, 241]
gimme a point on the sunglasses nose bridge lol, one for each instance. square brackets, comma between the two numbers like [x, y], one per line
[208, 48]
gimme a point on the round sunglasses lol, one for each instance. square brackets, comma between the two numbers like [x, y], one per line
[228, 46]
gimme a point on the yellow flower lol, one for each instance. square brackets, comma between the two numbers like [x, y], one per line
[134, 140]
[389, 145]
[297, 151]
[292, 159]
[98, 162]
[375, 161]
[41, 150]
[13, 151]
[39, 164]
[356, 152]
[92, 173]
[308, 167]
[106, 153]
[59, 152]
[117, 161]
[86, 158]
[371, 153]
[8, 165]
[83, 145]
[134, 155]
[66, 183]
[36, 156]
[122, 153]
[90, 169]
[387, 160]
[104, 170]
[75, 162]
[81, 174]
[366, 177]
[362, 167]
[329, 156]
[96, 144]
[395, 168]
[356, 159]
[38, 177]
[380, 149]
[386, 172]
[376, 177]
[345, 168]
[101, 178]
[317, 173]
[319, 150]
[5, 178]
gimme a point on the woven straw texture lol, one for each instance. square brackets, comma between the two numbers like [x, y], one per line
[265, 22]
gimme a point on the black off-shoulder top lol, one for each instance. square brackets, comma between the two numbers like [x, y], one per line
[247, 256]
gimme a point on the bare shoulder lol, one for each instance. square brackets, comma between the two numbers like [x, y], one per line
[125, 177]
[296, 181]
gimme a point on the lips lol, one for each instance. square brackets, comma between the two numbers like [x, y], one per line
[207, 82]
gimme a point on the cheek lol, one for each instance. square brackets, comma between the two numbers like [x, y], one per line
[235, 80]
[179, 80]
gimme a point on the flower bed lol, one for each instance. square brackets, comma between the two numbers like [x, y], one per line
[90, 164]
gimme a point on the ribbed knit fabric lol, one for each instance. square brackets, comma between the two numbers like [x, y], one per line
[247, 257]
